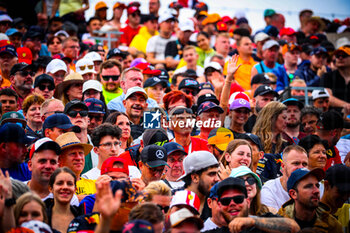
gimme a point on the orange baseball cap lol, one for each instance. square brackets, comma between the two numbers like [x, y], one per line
[100, 5]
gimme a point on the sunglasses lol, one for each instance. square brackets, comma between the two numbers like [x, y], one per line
[165, 209]
[250, 180]
[225, 201]
[73, 113]
[341, 56]
[89, 67]
[182, 110]
[108, 77]
[43, 87]
[25, 73]
[98, 118]
[135, 14]
[192, 92]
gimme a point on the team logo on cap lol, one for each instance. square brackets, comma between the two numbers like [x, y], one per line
[159, 154]
[13, 115]
[156, 79]
[242, 101]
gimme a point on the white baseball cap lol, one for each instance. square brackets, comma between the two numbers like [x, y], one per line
[92, 84]
[260, 37]
[136, 89]
[198, 160]
[186, 198]
[94, 56]
[269, 44]
[84, 66]
[186, 25]
[183, 214]
[164, 17]
[56, 65]
[316, 94]
[215, 65]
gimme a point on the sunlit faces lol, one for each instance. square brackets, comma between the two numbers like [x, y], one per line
[8, 103]
[63, 188]
[135, 105]
[322, 103]
[124, 124]
[73, 158]
[234, 209]
[207, 180]
[108, 82]
[242, 155]
[271, 54]
[190, 56]
[75, 91]
[175, 162]
[156, 92]
[203, 42]
[33, 114]
[293, 161]
[91, 93]
[293, 116]
[149, 174]
[109, 146]
[281, 122]
[133, 78]
[250, 184]
[23, 80]
[240, 115]
[309, 123]
[307, 192]
[71, 49]
[317, 157]
[31, 211]
[43, 164]
[179, 125]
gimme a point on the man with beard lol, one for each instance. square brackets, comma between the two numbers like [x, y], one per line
[21, 77]
[263, 95]
[109, 75]
[305, 206]
[292, 134]
[233, 208]
[43, 161]
[274, 192]
[176, 155]
[329, 128]
[135, 104]
[201, 173]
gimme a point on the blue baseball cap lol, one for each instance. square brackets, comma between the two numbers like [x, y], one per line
[95, 106]
[12, 31]
[61, 121]
[318, 50]
[11, 132]
[171, 147]
[301, 173]
[214, 191]
[151, 82]
[208, 105]
[293, 102]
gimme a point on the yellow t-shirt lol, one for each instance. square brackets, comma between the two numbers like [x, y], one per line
[68, 6]
[85, 187]
[243, 74]
[139, 42]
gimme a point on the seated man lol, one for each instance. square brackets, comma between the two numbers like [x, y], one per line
[57, 124]
[96, 113]
[321, 99]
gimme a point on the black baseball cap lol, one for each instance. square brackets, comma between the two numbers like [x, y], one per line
[152, 81]
[264, 89]
[260, 78]
[19, 67]
[189, 83]
[330, 120]
[155, 136]
[76, 104]
[338, 175]
[164, 75]
[293, 102]
[208, 105]
[33, 32]
[231, 183]
[172, 147]
[206, 85]
[11, 132]
[44, 78]
[115, 52]
[252, 137]
[207, 97]
[154, 156]
[190, 73]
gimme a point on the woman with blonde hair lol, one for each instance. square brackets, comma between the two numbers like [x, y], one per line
[270, 124]
[158, 193]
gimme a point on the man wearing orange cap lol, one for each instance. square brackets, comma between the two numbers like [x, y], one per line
[209, 26]
[101, 11]
[8, 58]
[118, 10]
[337, 81]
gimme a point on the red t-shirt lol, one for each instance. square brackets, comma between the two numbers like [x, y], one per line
[129, 34]
[333, 157]
[196, 145]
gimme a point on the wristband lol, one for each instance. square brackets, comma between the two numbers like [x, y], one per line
[10, 202]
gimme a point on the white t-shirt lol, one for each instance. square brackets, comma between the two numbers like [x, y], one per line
[209, 225]
[199, 70]
[92, 174]
[273, 195]
[157, 45]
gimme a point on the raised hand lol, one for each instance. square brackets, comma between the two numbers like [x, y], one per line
[5, 182]
[107, 204]
[224, 172]
[232, 67]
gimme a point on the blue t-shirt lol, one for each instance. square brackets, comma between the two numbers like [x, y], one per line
[19, 172]
[262, 68]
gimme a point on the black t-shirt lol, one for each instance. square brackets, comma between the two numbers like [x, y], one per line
[305, 224]
[334, 81]
[248, 127]
[172, 48]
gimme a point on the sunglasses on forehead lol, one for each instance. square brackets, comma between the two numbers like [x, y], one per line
[225, 201]
[108, 77]
[182, 110]
[90, 67]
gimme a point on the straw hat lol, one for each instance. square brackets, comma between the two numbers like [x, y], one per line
[68, 81]
[68, 140]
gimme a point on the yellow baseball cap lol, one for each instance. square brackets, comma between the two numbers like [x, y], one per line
[220, 137]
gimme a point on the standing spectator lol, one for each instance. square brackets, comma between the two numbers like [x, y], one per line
[218, 140]
[176, 155]
[208, 112]
[155, 88]
[121, 120]
[85, 67]
[222, 45]
[190, 56]
[21, 77]
[56, 125]
[259, 40]
[32, 40]
[239, 112]
[118, 9]
[93, 24]
[285, 74]
[133, 27]
[153, 7]
[156, 45]
[317, 67]
[183, 220]
[321, 99]
[160, 194]
[292, 134]
[101, 11]
[8, 58]
[204, 50]
[54, 45]
[270, 55]
[51, 106]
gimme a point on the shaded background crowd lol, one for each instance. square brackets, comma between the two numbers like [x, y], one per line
[95, 133]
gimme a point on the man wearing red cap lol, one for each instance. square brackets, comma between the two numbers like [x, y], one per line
[133, 27]
[8, 58]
